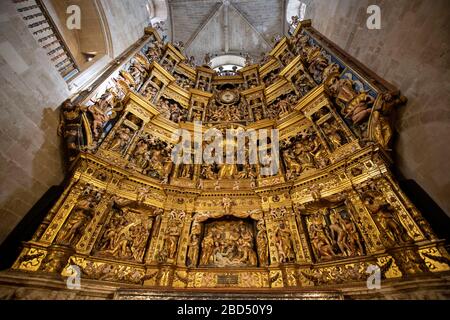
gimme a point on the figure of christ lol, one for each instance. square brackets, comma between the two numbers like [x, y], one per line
[228, 243]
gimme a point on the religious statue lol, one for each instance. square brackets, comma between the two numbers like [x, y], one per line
[99, 120]
[138, 73]
[303, 153]
[381, 124]
[203, 83]
[341, 89]
[207, 249]
[150, 93]
[227, 171]
[79, 218]
[207, 59]
[338, 234]
[197, 115]
[194, 244]
[283, 105]
[208, 173]
[353, 241]
[141, 155]
[187, 170]
[126, 81]
[300, 155]
[304, 83]
[258, 114]
[359, 109]
[164, 107]
[262, 244]
[320, 241]
[384, 215]
[382, 129]
[127, 231]
[191, 62]
[317, 62]
[228, 243]
[292, 166]
[179, 45]
[248, 172]
[152, 157]
[276, 38]
[142, 61]
[121, 139]
[142, 194]
[334, 135]
[70, 127]
[332, 68]
[295, 20]
[173, 233]
[283, 244]
[317, 150]
[153, 54]
[301, 42]
[159, 26]
[227, 203]
[172, 236]
[245, 246]
[177, 113]
[110, 103]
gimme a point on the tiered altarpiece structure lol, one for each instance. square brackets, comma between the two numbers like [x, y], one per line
[139, 226]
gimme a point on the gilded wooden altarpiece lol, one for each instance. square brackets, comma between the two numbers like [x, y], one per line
[130, 216]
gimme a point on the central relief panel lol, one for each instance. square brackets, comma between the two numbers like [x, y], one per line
[228, 243]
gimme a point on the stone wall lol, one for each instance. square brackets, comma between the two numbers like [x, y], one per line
[411, 50]
[126, 20]
[30, 92]
[31, 89]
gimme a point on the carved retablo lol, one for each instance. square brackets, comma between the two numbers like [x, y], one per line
[331, 211]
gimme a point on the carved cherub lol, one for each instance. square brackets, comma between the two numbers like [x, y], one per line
[227, 203]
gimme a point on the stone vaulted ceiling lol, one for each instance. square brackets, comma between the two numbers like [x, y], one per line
[226, 27]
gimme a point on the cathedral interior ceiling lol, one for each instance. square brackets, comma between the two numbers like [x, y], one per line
[218, 27]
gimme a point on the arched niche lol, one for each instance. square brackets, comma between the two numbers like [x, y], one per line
[157, 10]
[199, 218]
[224, 250]
[296, 8]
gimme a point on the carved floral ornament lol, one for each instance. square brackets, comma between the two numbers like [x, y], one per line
[202, 217]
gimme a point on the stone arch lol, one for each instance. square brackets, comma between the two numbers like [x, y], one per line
[92, 41]
[295, 8]
[158, 10]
